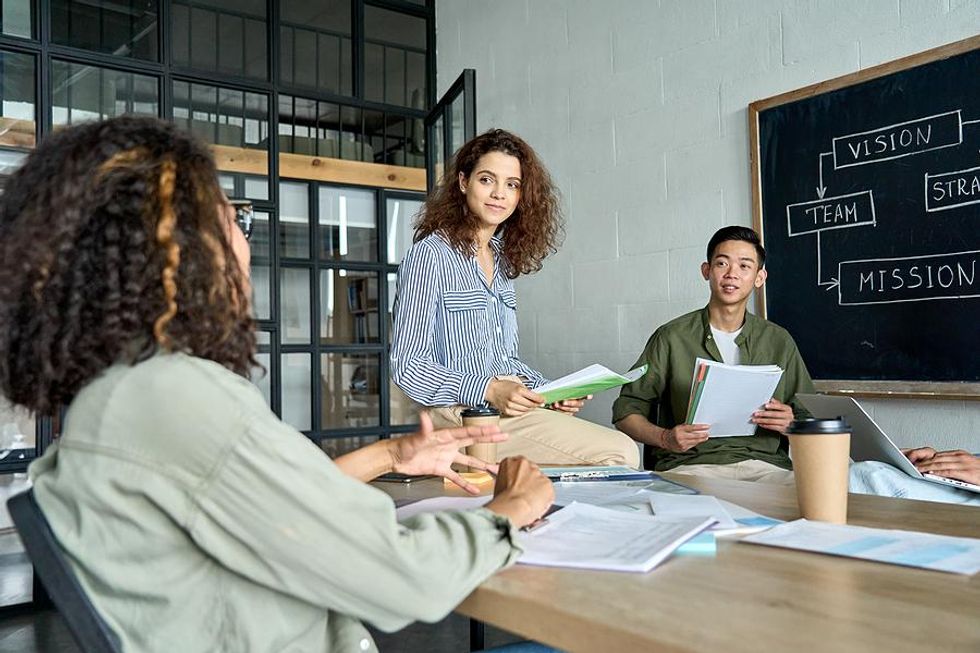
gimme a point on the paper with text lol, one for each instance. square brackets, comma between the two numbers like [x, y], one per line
[587, 381]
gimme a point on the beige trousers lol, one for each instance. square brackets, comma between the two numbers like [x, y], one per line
[747, 470]
[552, 438]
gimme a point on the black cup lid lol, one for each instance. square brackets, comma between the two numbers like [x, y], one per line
[481, 411]
[819, 425]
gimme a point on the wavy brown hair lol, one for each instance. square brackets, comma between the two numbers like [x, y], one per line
[529, 235]
[114, 249]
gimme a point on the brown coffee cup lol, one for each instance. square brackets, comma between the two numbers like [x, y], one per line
[820, 450]
[481, 416]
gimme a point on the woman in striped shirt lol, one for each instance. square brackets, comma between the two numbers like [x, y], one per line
[495, 216]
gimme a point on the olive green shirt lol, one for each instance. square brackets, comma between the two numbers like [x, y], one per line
[197, 521]
[671, 352]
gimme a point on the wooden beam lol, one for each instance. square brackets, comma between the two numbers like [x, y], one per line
[315, 168]
[20, 133]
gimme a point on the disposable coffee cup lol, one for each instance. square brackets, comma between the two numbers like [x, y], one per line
[820, 450]
[481, 416]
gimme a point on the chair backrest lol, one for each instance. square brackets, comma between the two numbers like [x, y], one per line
[91, 633]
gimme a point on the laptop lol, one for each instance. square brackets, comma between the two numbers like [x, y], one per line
[869, 442]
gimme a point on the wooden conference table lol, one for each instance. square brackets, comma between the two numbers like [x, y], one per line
[746, 597]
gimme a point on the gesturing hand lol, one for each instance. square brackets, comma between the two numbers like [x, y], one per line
[522, 492]
[433, 452]
[684, 436]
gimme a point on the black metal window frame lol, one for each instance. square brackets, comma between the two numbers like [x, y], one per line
[40, 46]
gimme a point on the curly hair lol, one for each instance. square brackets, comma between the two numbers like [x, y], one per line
[529, 235]
[114, 249]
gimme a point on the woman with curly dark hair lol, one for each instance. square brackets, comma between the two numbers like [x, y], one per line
[495, 216]
[194, 518]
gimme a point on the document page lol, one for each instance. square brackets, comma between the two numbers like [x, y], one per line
[725, 396]
[699, 506]
[589, 537]
[587, 381]
[958, 555]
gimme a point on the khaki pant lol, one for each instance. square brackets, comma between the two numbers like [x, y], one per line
[552, 438]
[747, 470]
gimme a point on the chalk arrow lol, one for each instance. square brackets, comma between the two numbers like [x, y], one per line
[821, 189]
[830, 286]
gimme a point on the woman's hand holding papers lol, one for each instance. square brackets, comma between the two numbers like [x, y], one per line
[433, 452]
[957, 464]
[512, 398]
[683, 437]
[775, 416]
[522, 493]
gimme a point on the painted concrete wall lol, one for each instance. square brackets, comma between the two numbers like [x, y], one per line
[638, 108]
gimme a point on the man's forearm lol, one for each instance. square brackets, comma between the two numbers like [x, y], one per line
[642, 430]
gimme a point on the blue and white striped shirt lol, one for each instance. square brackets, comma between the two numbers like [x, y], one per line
[453, 334]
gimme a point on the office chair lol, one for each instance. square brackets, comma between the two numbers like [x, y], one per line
[89, 630]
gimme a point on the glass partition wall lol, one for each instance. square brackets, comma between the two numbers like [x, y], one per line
[314, 111]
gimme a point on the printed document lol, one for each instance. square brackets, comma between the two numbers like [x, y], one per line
[589, 537]
[958, 555]
[587, 381]
[725, 396]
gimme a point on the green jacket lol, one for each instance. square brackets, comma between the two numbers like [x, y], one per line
[197, 521]
[671, 352]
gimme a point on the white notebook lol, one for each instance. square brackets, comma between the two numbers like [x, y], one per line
[725, 396]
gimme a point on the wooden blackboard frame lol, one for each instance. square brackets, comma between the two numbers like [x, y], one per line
[874, 389]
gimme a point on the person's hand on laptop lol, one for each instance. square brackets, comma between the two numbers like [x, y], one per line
[958, 464]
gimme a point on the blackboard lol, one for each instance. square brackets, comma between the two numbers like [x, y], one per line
[867, 194]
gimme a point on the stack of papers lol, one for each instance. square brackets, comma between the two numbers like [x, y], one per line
[589, 537]
[588, 381]
[725, 396]
[597, 473]
[960, 555]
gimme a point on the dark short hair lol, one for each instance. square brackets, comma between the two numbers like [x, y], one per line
[737, 233]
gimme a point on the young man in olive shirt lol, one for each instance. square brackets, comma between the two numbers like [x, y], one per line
[652, 409]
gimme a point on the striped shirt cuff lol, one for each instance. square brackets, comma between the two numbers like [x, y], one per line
[473, 389]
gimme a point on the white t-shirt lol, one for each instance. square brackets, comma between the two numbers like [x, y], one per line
[726, 345]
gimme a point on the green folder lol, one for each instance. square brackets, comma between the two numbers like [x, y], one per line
[587, 381]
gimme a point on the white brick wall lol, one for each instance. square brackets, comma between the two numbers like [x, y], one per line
[638, 108]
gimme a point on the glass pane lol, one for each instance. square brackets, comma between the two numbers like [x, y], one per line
[294, 220]
[374, 132]
[350, 390]
[294, 296]
[263, 338]
[256, 188]
[224, 36]
[394, 54]
[316, 44]
[403, 410]
[438, 148]
[352, 144]
[456, 131]
[334, 447]
[261, 266]
[17, 433]
[400, 214]
[80, 93]
[9, 162]
[15, 18]
[262, 376]
[227, 183]
[349, 305]
[124, 29]
[16, 572]
[297, 391]
[17, 114]
[235, 122]
[348, 224]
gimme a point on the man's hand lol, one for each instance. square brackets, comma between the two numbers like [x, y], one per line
[512, 398]
[775, 416]
[433, 452]
[920, 454]
[684, 436]
[570, 406]
[957, 464]
[522, 492]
